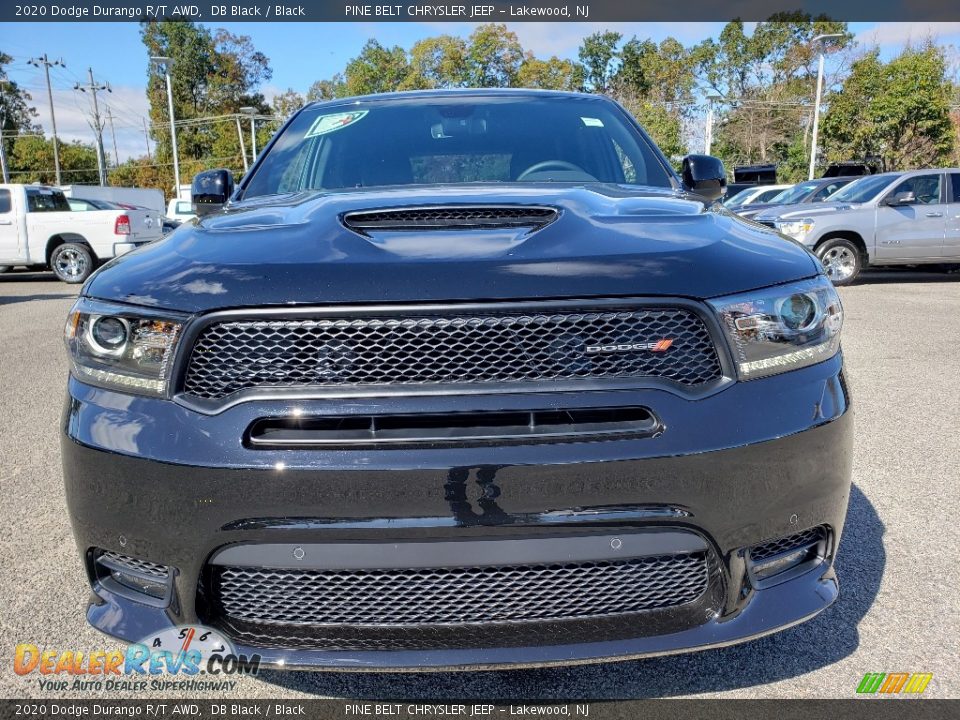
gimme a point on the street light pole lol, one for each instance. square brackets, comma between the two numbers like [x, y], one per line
[708, 132]
[47, 64]
[252, 111]
[816, 106]
[166, 62]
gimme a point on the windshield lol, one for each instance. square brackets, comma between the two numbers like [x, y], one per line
[863, 190]
[740, 198]
[794, 194]
[470, 139]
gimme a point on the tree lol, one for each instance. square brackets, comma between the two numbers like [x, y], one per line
[898, 111]
[16, 112]
[376, 69]
[494, 56]
[552, 74]
[31, 160]
[211, 75]
[767, 83]
[600, 59]
[286, 104]
[327, 89]
[438, 62]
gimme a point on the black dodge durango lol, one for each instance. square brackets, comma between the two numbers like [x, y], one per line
[459, 379]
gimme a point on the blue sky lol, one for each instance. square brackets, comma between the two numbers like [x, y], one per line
[303, 52]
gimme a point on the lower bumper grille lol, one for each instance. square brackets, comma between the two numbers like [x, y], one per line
[431, 596]
[804, 538]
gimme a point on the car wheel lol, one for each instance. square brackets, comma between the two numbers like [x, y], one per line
[72, 263]
[841, 260]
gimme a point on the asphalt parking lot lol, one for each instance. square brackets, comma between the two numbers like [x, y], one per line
[899, 562]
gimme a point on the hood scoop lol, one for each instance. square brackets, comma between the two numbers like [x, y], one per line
[450, 217]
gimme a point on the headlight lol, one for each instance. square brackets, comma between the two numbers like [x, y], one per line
[797, 229]
[120, 347]
[782, 328]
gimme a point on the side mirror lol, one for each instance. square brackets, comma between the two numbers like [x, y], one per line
[704, 175]
[907, 197]
[210, 191]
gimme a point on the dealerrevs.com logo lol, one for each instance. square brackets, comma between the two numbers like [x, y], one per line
[173, 659]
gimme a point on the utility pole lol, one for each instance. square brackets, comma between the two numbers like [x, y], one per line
[816, 106]
[97, 122]
[146, 137]
[47, 64]
[3, 124]
[164, 62]
[113, 134]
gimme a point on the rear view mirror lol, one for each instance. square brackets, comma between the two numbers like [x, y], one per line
[704, 175]
[210, 191]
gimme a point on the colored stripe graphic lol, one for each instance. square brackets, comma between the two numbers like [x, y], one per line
[871, 682]
[918, 683]
[893, 683]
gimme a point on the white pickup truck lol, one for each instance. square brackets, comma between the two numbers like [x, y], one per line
[39, 229]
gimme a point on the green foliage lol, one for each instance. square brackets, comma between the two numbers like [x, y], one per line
[31, 160]
[212, 75]
[898, 111]
[494, 56]
[376, 69]
[552, 74]
[599, 57]
[438, 62]
[766, 82]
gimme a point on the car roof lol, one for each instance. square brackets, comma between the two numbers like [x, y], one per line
[461, 92]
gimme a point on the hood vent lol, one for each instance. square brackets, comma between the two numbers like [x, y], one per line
[447, 217]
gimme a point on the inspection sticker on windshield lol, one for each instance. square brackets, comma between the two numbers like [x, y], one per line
[331, 123]
[592, 122]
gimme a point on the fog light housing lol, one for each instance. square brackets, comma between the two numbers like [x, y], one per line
[778, 560]
[139, 580]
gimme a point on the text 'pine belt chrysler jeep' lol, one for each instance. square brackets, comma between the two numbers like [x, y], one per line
[459, 379]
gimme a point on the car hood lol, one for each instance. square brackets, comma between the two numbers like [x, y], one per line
[784, 212]
[606, 241]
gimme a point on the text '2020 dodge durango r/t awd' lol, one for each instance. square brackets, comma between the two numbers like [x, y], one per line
[459, 379]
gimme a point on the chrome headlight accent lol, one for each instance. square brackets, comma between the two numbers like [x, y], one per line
[797, 229]
[782, 328]
[122, 347]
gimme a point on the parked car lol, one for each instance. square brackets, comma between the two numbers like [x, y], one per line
[181, 210]
[80, 205]
[131, 198]
[800, 194]
[449, 380]
[910, 218]
[752, 195]
[169, 225]
[38, 228]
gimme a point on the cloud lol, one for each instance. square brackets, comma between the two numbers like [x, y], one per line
[888, 34]
[74, 113]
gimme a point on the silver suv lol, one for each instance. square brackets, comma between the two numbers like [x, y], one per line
[909, 218]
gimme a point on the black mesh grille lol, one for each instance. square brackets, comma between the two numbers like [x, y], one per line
[125, 562]
[801, 539]
[463, 349]
[446, 217]
[461, 595]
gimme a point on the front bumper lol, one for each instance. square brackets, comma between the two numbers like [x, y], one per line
[757, 461]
